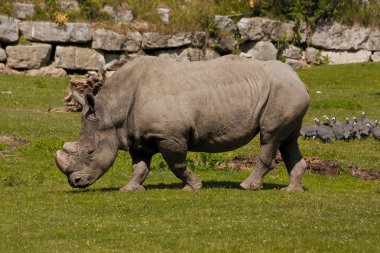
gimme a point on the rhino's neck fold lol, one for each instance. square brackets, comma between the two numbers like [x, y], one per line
[118, 99]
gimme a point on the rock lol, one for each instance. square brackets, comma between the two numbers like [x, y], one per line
[28, 56]
[311, 54]
[108, 40]
[265, 29]
[347, 57]
[296, 64]
[334, 36]
[68, 5]
[71, 57]
[9, 29]
[211, 54]
[373, 42]
[114, 61]
[153, 40]
[51, 32]
[3, 55]
[164, 13]
[192, 54]
[376, 57]
[133, 42]
[225, 23]
[4, 69]
[262, 51]
[292, 52]
[50, 70]
[23, 10]
[199, 40]
[119, 14]
[173, 53]
[225, 42]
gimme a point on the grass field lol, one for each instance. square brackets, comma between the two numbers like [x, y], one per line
[39, 212]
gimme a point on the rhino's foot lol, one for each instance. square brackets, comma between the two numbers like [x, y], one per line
[132, 188]
[253, 187]
[293, 188]
[193, 187]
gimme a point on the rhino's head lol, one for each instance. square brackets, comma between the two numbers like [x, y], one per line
[85, 161]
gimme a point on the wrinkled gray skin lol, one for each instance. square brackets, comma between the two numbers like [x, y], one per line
[156, 105]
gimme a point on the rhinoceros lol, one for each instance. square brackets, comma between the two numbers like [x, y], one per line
[153, 105]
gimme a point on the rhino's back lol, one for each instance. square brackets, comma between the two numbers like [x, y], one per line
[216, 105]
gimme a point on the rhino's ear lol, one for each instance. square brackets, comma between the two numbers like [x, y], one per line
[90, 101]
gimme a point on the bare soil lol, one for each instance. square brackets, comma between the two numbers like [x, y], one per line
[315, 166]
[11, 143]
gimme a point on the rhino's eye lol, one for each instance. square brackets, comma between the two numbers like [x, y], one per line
[90, 152]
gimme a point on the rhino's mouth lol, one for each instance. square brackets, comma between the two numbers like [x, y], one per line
[78, 181]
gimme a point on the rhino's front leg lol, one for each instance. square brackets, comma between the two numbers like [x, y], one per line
[140, 169]
[174, 153]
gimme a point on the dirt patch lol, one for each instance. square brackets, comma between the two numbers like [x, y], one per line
[363, 173]
[315, 166]
[12, 141]
[322, 167]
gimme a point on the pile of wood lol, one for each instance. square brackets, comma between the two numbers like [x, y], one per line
[92, 82]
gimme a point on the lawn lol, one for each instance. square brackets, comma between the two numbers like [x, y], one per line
[39, 212]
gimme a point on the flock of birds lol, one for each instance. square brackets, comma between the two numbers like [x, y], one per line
[347, 130]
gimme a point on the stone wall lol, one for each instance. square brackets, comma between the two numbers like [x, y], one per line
[44, 48]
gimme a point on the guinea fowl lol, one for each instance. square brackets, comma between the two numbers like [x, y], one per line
[325, 133]
[376, 132]
[372, 123]
[309, 131]
[341, 130]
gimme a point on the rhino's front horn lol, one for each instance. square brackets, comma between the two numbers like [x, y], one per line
[70, 147]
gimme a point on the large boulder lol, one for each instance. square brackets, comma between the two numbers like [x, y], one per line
[9, 29]
[311, 54]
[53, 33]
[154, 40]
[50, 70]
[28, 56]
[193, 54]
[111, 41]
[133, 42]
[344, 57]
[23, 10]
[225, 23]
[292, 52]
[224, 42]
[262, 51]
[79, 58]
[376, 57]
[257, 29]
[335, 36]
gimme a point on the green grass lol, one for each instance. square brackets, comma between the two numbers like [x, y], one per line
[39, 212]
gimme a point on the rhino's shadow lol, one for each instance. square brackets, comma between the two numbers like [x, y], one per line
[206, 185]
[211, 185]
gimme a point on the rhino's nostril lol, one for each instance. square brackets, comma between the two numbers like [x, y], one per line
[77, 180]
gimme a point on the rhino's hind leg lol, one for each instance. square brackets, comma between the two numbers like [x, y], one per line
[265, 163]
[294, 162]
[174, 154]
[140, 169]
